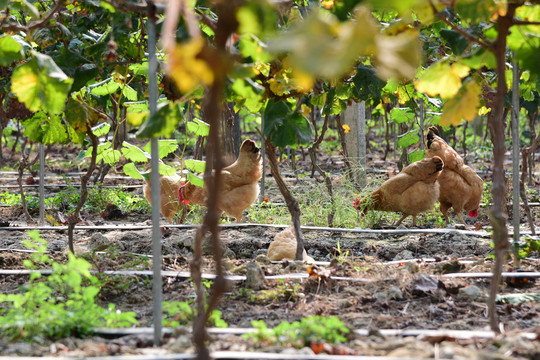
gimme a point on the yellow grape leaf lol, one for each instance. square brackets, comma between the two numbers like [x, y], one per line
[462, 106]
[186, 68]
[398, 56]
[442, 79]
[278, 87]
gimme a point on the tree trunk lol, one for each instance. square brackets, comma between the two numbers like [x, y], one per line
[292, 203]
[74, 218]
[496, 124]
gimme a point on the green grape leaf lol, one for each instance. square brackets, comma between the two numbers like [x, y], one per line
[78, 116]
[83, 75]
[101, 129]
[45, 129]
[110, 156]
[129, 93]
[197, 166]
[408, 139]
[198, 127]
[319, 99]
[479, 59]
[253, 98]
[165, 147]
[139, 69]
[41, 85]
[401, 115]
[458, 43]
[166, 170]
[475, 11]
[162, 123]
[131, 170]
[367, 84]
[107, 6]
[10, 50]
[134, 153]
[100, 149]
[416, 155]
[274, 113]
[398, 56]
[195, 180]
[106, 87]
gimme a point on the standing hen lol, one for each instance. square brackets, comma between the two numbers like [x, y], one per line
[460, 186]
[239, 183]
[412, 191]
[169, 204]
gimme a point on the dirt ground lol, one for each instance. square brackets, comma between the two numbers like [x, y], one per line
[382, 283]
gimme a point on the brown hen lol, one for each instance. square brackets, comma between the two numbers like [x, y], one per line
[412, 191]
[239, 183]
[460, 186]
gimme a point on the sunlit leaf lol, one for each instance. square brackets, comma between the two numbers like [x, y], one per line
[105, 88]
[197, 166]
[463, 106]
[10, 50]
[134, 153]
[162, 123]
[442, 79]
[45, 129]
[397, 56]
[416, 155]
[198, 127]
[187, 68]
[131, 170]
[41, 85]
[110, 156]
[409, 138]
[129, 93]
[79, 116]
[166, 170]
[165, 147]
[480, 59]
[101, 129]
[401, 115]
[195, 180]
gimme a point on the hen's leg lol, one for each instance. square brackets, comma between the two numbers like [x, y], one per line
[403, 218]
[444, 210]
[458, 213]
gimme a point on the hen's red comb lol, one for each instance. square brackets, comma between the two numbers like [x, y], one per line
[473, 213]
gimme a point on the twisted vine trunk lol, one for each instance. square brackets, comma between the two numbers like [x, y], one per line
[292, 203]
[74, 218]
[496, 124]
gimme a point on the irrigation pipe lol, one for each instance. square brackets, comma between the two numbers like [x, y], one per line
[482, 234]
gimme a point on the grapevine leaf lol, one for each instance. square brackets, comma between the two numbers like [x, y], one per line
[458, 43]
[111, 156]
[187, 67]
[366, 84]
[131, 170]
[165, 147]
[83, 75]
[41, 85]
[274, 114]
[10, 50]
[162, 123]
[401, 115]
[134, 153]
[197, 166]
[101, 129]
[166, 170]
[462, 106]
[78, 116]
[442, 79]
[105, 88]
[408, 139]
[195, 180]
[198, 127]
[479, 59]
[45, 129]
[129, 93]
[398, 56]
[416, 155]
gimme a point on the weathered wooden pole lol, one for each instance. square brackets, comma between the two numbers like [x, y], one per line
[154, 176]
[355, 118]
